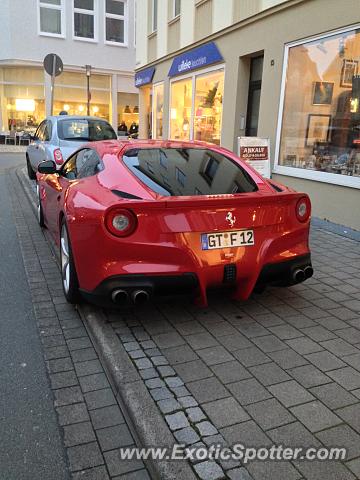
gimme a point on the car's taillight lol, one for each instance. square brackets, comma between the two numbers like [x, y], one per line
[121, 222]
[303, 209]
[58, 156]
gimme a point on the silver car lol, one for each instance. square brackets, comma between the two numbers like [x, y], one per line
[57, 137]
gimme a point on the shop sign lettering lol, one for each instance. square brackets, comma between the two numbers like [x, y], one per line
[202, 56]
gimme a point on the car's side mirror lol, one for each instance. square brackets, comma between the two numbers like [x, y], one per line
[47, 167]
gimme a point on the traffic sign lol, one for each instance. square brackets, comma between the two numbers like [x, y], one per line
[53, 64]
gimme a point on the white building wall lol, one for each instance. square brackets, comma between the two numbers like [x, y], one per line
[22, 42]
[187, 22]
[4, 28]
[142, 13]
[162, 28]
[222, 14]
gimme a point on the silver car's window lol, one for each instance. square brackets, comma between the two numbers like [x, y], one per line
[85, 130]
[40, 131]
[47, 132]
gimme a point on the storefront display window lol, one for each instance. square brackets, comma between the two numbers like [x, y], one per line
[208, 107]
[128, 114]
[320, 129]
[180, 109]
[71, 94]
[198, 119]
[22, 99]
[158, 107]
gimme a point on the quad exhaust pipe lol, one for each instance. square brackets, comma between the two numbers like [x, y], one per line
[121, 297]
[299, 275]
[140, 297]
[309, 271]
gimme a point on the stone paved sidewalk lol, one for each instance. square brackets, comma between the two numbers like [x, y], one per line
[93, 425]
[283, 367]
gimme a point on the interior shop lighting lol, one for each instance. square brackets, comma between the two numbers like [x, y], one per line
[24, 105]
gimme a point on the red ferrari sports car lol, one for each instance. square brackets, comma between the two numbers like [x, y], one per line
[151, 218]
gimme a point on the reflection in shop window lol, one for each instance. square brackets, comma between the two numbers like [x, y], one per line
[180, 110]
[208, 107]
[158, 108]
[321, 115]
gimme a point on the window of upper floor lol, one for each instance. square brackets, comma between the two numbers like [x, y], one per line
[154, 15]
[85, 20]
[176, 8]
[51, 18]
[116, 13]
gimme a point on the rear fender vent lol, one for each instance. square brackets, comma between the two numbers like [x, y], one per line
[121, 194]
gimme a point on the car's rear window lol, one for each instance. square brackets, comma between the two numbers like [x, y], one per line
[188, 171]
[86, 130]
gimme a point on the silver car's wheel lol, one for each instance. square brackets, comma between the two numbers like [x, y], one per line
[68, 272]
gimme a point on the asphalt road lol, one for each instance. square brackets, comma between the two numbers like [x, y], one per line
[30, 441]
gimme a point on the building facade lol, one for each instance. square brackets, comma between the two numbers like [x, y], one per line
[99, 33]
[216, 70]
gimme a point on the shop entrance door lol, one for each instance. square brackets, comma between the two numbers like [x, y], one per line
[252, 116]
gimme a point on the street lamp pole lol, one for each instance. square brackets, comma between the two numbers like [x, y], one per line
[88, 74]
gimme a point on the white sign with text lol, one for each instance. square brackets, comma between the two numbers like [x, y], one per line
[256, 152]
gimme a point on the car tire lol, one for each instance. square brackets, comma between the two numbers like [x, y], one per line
[68, 272]
[39, 209]
[30, 171]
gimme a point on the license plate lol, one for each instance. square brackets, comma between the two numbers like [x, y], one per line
[236, 238]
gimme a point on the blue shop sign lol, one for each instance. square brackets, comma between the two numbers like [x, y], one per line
[144, 76]
[197, 58]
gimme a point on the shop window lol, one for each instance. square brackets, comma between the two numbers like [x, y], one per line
[22, 99]
[158, 107]
[320, 130]
[180, 109]
[128, 113]
[70, 94]
[201, 119]
[208, 107]
[51, 17]
[115, 15]
[84, 19]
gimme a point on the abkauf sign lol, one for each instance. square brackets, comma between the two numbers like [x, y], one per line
[203, 56]
[256, 152]
[144, 76]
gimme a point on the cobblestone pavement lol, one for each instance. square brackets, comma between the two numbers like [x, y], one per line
[92, 422]
[283, 367]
